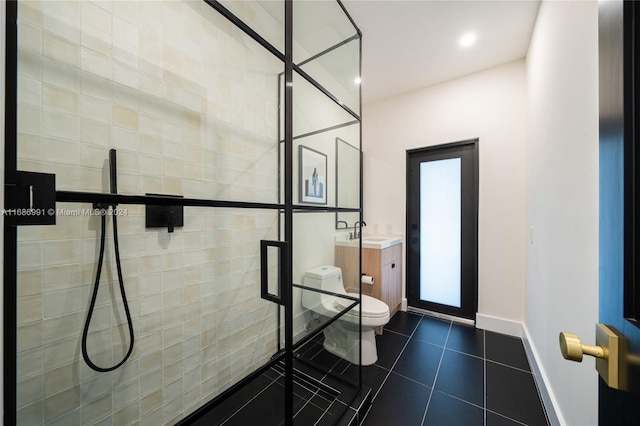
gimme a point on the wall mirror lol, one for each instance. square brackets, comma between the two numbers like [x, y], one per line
[347, 183]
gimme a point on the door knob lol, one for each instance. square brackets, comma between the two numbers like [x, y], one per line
[572, 349]
[610, 352]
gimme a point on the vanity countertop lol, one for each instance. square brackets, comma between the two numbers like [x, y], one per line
[370, 241]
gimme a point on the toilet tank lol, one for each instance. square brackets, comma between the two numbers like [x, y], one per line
[327, 278]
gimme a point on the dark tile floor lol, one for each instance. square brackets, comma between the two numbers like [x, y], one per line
[323, 395]
[435, 372]
[429, 372]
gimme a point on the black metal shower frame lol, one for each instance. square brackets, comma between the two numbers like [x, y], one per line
[10, 262]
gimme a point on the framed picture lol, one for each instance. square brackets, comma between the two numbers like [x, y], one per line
[313, 176]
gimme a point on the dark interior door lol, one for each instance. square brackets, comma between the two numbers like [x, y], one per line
[619, 199]
[442, 228]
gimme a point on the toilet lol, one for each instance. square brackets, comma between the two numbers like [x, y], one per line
[342, 338]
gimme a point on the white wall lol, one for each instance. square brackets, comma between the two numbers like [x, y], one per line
[489, 105]
[562, 199]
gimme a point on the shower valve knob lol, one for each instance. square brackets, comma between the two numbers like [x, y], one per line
[164, 216]
[168, 216]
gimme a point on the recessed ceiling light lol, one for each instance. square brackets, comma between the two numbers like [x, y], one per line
[358, 80]
[467, 40]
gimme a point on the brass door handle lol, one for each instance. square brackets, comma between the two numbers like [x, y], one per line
[572, 349]
[610, 352]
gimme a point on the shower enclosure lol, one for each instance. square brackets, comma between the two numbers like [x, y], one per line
[225, 117]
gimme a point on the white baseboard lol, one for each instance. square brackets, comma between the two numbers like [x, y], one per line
[540, 377]
[499, 325]
[440, 315]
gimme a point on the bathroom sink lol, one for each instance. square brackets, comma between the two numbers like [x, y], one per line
[380, 242]
[370, 241]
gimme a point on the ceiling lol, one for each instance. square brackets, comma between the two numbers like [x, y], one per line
[408, 45]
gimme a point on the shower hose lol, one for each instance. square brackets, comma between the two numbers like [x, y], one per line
[92, 305]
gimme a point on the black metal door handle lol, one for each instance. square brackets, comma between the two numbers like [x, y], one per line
[264, 269]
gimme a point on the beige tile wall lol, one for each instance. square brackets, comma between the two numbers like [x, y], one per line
[191, 106]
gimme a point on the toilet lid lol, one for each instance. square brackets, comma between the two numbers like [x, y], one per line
[371, 307]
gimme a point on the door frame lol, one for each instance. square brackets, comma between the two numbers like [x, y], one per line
[467, 150]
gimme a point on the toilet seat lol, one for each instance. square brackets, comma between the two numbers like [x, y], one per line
[371, 307]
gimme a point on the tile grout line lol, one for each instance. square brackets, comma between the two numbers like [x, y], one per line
[463, 353]
[397, 359]
[484, 368]
[251, 400]
[323, 414]
[424, 416]
[393, 365]
[510, 366]
[307, 402]
[535, 383]
[398, 333]
[459, 399]
[507, 417]
[486, 410]
[411, 380]
[484, 334]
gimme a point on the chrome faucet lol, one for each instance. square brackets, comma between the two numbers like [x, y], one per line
[357, 234]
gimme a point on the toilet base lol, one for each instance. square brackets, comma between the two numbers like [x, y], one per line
[344, 343]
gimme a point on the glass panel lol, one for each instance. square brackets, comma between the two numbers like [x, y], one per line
[313, 111]
[332, 355]
[318, 26]
[319, 308]
[264, 17]
[199, 322]
[316, 150]
[347, 183]
[327, 278]
[440, 216]
[338, 71]
[189, 102]
[315, 247]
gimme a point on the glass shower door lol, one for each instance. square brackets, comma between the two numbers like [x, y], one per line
[193, 307]
[173, 90]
